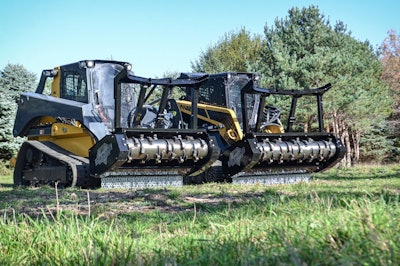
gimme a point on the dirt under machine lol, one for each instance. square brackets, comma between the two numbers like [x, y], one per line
[100, 125]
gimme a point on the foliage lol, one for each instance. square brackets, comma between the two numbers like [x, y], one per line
[390, 59]
[174, 93]
[234, 52]
[376, 144]
[343, 217]
[14, 79]
[5, 168]
[303, 50]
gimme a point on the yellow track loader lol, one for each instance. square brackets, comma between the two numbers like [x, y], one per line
[100, 125]
[255, 146]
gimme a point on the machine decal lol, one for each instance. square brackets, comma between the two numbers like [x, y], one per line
[103, 153]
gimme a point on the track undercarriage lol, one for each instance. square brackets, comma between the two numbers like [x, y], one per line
[44, 163]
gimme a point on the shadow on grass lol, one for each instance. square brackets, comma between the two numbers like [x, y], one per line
[264, 246]
[177, 207]
[360, 173]
[337, 186]
[6, 185]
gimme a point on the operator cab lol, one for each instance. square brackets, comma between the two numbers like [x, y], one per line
[234, 91]
[92, 82]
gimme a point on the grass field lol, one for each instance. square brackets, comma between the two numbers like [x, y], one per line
[342, 217]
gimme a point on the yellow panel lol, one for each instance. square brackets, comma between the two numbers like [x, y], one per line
[47, 120]
[274, 129]
[229, 132]
[73, 139]
[61, 130]
[55, 86]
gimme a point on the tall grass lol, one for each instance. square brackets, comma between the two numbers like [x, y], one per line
[293, 232]
[329, 221]
[5, 168]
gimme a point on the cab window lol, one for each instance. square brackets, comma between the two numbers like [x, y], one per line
[74, 87]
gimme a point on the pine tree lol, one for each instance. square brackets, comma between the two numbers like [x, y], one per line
[14, 79]
[303, 50]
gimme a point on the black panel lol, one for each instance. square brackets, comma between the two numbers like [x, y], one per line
[213, 91]
[33, 106]
[108, 154]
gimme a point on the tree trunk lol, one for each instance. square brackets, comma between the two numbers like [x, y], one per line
[307, 125]
[356, 136]
[341, 130]
[347, 144]
[335, 124]
[327, 127]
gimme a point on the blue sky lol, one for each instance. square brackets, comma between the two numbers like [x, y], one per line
[158, 36]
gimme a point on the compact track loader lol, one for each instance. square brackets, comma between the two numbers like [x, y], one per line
[255, 146]
[101, 125]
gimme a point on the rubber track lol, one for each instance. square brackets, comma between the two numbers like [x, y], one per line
[58, 153]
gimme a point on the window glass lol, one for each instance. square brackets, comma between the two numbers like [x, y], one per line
[74, 87]
[103, 84]
[234, 99]
[213, 92]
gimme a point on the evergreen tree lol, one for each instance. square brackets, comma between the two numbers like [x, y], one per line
[303, 51]
[14, 79]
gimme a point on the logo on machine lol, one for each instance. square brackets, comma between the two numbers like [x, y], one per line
[102, 153]
[235, 157]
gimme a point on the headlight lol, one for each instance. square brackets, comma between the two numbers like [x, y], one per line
[86, 64]
[128, 67]
[50, 73]
[90, 64]
[54, 72]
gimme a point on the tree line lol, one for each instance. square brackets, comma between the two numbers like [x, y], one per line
[301, 50]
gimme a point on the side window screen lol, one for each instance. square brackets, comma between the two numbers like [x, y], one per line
[74, 87]
[213, 92]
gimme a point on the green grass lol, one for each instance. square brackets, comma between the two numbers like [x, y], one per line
[6, 180]
[342, 217]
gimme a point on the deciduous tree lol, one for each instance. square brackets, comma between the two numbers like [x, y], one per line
[390, 59]
[234, 52]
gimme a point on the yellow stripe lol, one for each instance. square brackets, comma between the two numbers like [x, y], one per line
[230, 130]
[74, 139]
[55, 86]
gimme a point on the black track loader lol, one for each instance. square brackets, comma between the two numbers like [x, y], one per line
[99, 124]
